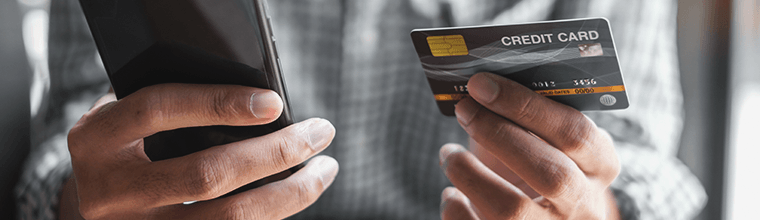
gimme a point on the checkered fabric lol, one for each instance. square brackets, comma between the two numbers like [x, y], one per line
[353, 63]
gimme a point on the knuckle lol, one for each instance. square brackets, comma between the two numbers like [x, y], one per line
[526, 112]
[306, 192]
[284, 153]
[560, 185]
[236, 211]
[505, 130]
[576, 134]
[221, 105]
[317, 188]
[79, 133]
[205, 179]
[146, 108]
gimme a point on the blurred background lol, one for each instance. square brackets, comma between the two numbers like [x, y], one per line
[719, 48]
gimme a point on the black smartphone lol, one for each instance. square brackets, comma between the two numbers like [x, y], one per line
[148, 42]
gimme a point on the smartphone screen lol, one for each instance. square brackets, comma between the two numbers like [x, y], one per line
[148, 42]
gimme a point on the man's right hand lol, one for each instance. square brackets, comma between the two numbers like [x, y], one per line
[114, 179]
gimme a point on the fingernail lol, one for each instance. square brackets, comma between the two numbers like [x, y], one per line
[466, 110]
[265, 104]
[321, 133]
[327, 169]
[482, 87]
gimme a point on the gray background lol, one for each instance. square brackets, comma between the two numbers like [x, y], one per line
[14, 103]
[704, 30]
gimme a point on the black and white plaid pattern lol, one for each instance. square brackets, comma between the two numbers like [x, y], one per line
[352, 62]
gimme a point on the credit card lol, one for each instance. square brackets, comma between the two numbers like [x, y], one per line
[573, 62]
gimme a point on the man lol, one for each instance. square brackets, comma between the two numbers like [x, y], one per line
[352, 63]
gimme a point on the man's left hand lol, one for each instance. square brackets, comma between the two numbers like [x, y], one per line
[563, 158]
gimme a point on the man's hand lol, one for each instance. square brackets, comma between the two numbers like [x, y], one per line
[566, 162]
[114, 179]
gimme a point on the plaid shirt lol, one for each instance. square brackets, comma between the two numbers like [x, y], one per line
[352, 62]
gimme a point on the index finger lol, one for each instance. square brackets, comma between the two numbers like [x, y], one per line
[561, 126]
[171, 106]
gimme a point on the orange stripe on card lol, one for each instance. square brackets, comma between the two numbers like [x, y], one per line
[450, 97]
[577, 91]
[551, 92]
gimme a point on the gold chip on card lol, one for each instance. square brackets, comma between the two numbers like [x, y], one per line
[450, 45]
